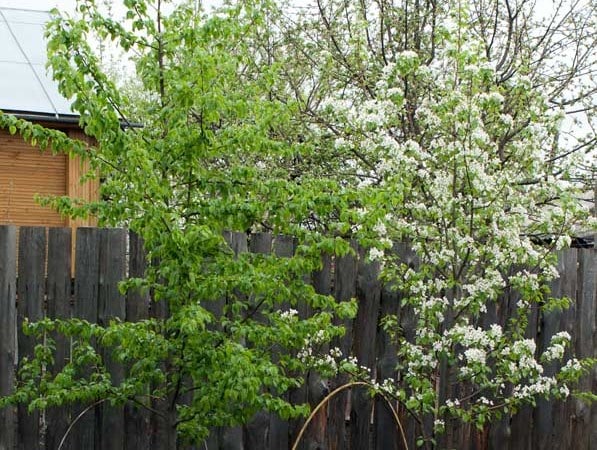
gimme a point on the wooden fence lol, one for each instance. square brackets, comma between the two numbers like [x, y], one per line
[40, 284]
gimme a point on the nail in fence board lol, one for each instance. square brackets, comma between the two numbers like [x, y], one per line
[58, 307]
[31, 287]
[8, 321]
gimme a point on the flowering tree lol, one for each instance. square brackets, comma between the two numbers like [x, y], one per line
[449, 131]
[416, 121]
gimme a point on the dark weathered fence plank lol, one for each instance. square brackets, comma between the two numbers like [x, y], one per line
[256, 431]
[386, 431]
[136, 417]
[59, 307]
[363, 348]
[279, 431]
[407, 323]
[162, 434]
[231, 438]
[545, 416]
[82, 435]
[584, 425]
[339, 406]
[111, 305]
[30, 305]
[317, 388]
[8, 321]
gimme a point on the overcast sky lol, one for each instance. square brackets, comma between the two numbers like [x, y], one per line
[63, 5]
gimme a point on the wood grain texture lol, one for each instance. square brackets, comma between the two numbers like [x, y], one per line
[8, 323]
[137, 418]
[111, 306]
[83, 434]
[59, 307]
[31, 289]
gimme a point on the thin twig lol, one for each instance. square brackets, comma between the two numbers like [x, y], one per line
[81, 414]
[332, 394]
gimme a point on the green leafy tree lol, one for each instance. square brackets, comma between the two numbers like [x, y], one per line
[380, 120]
[209, 157]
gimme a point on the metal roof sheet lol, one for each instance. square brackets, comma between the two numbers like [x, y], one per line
[25, 85]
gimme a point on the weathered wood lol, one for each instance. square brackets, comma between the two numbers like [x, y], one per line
[8, 323]
[387, 435]
[100, 265]
[59, 307]
[564, 411]
[279, 430]
[31, 286]
[111, 305]
[339, 406]
[584, 416]
[85, 305]
[368, 291]
[315, 387]
[256, 431]
[162, 429]
[407, 323]
[136, 417]
[231, 438]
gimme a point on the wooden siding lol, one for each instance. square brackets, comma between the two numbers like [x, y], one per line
[26, 172]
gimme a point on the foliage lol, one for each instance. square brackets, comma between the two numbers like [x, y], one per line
[192, 170]
[416, 121]
[449, 130]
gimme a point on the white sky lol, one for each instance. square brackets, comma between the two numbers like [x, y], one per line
[63, 5]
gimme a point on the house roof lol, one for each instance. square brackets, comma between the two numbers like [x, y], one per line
[26, 89]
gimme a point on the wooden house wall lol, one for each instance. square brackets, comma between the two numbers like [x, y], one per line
[26, 172]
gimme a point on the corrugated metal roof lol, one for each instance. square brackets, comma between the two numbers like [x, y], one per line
[25, 86]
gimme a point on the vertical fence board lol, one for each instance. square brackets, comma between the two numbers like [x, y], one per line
[136, 418]
[317, 389]
[8, 321]
[231, 438]
[256, 431]
[364, 333]
[407, 323]
[279, 431]
[82, 435]
[584, 425]
[162, 433]
[59, 307]
[563, 411]
[387, 435]
[111, 305]
[344, 289]
[31, 286]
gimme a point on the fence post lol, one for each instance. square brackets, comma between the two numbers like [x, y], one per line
[8, 322]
